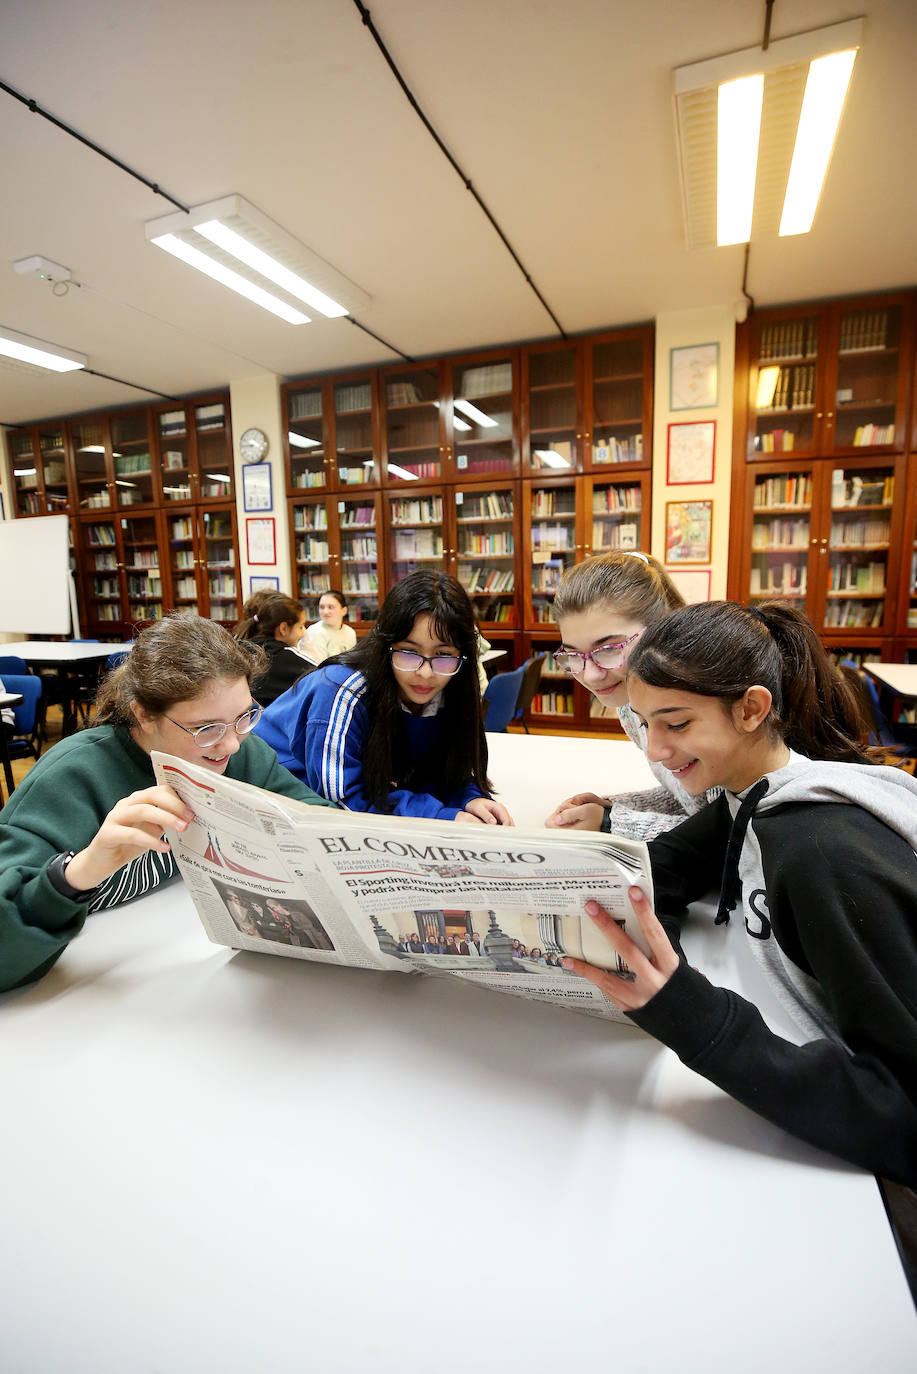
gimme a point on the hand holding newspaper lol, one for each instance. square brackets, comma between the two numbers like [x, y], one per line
[493, 905]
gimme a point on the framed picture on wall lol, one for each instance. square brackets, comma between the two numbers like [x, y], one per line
[691, 448]
[688, 527]
[256, 486]
[694, 376]
[260, 541]
[257, 583]
[693, 583]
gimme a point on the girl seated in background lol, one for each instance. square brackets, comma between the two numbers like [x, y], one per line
[816, 859]
[84, 830]
[329, 635]
[276, 623]
[396, 724]
[601, 608]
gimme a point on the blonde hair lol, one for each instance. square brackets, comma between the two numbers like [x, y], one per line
[636, 585]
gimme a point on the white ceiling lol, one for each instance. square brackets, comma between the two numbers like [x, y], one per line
[560, 112]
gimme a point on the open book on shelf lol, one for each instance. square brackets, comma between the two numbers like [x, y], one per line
[490, 904]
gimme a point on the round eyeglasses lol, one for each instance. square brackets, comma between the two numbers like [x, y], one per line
[443, 665]
[206, 735]
[606, 656]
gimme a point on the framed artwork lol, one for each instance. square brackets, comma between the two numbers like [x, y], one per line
[258, 583]
[256, 487]
[691, 448]
[693, 583]
[688, 526]
[260, 541]
[694, 376]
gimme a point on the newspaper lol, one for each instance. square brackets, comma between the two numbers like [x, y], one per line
[493, 905]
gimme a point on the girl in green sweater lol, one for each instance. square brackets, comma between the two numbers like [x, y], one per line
[88, 827]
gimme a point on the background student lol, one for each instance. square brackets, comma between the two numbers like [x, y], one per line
[820, 873]
[84, 829]
[395, 725]
[601, 608]
[277, 624]
[329, 635]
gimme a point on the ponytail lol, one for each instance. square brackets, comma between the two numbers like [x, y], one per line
[261, 617]
[720, 649]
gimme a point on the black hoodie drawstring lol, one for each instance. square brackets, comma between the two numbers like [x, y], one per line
[731, 886]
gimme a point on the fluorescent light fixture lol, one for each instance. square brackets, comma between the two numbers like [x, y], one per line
[25, 472]
[551, 458]
[396, 471]
[743, 125]
[474, 414]
[826, 90]
[120, 483]
[234, 243]
[93, 448]
[40, 354]
[738, 127]
[300, 441]
[459, 423]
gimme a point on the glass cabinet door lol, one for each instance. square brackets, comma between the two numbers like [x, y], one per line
[90, 464]
[102, 570]
[783, 386]
[553, 420]
[485, 552]
[183, 558]
[861, 502]
[214, 452]
[781, 534]
[617, 369]
[174, 455]
[359, 557]
[354, 463]
[868, 369]
[218, 554]
[413, 431]
[140, 543]
[552, 525]
[24, 472]
[311, 556]
[305, 435]
[482, 417]
[54, 468]
[617, 515]
[416, 534]
[132, 459]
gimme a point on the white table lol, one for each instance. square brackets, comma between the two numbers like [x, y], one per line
[244, 1163]
[68, 656]
[901, 678]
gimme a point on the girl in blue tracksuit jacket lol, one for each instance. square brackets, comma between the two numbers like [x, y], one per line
[395, 725]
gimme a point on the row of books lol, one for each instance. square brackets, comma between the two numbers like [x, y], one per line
[417, 469]
[859, 615]
[422, 543]
[612, 499]
[857, 577]
[407, 393]
[310, 518]
[490, 505]
[861, 491]
[488, 459]
[358, 550]
[778, 579]
[422, 510]
[144, 610]
[496, 541]
[786, 533]
[612, 450]
[546, 501]
[551, 538]
[553, 704]
[789, 339]
[545, 576]
[488, 380]
[312, 550]
[105, 586]
[605, 538]
[355, 583]
[105, 562]
[307, 405]
[363, 517]
[131, 464]
[795, 388]
[210, 417]
[223, 585]
[144, 586]
[852, 532]
[775, 441]
[356, 396]
[143, 558]
[864, 331]
[783, 490]
[172, 422]
[308, 477]
[487, 580]
[497, 612]
[866, 435]
[183, 558]
[101, 534]
[354, 476]
[185, 588]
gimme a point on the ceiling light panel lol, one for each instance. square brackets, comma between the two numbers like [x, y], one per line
[243, 242]
[24, 349]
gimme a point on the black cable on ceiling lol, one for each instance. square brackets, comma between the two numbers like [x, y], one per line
[157, 189]
[466, 181]
[768, 9]
[81, 138]
[750, 299]
[138, 386]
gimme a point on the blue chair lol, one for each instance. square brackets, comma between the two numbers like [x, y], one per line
[27, 717]
[531, 681]
[12, 663]
[500, 700]
[882, 734]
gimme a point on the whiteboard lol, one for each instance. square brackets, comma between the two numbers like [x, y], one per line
[35, 576]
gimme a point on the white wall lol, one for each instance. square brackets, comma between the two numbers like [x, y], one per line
[255, 403]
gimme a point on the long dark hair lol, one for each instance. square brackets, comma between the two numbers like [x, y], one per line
[463, 747]
[720, 649]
